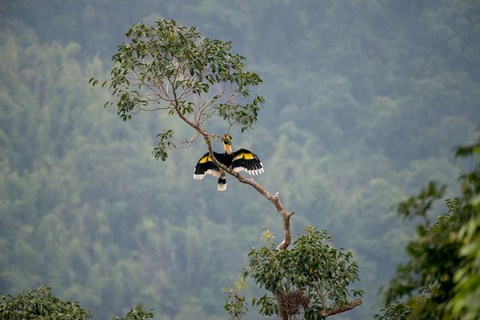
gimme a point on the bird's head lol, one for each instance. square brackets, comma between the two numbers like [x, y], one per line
[227, 143]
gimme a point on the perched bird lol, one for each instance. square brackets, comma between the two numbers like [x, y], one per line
[240, 160]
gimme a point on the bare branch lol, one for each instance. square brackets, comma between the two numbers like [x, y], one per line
[337, 310]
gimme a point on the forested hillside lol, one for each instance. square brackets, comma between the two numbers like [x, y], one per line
[365, 101]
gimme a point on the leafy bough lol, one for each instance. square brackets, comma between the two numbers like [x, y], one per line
[174, 68]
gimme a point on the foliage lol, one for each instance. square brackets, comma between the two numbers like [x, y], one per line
[420, 205]
[465, 303]
[175, 68]
[396, 311]
[236, 306]
[443, 264]
[39, 304]
[137, 313]
[311, 275]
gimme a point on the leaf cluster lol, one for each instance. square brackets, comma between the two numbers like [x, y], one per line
[312, 267]
[396, 311]
[235, 305]
[420, 205]
[434, 260]
[137, 313]
[39, 304]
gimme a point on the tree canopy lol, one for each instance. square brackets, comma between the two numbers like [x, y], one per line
[174, 68]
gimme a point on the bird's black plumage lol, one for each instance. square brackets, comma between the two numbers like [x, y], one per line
[240, 160]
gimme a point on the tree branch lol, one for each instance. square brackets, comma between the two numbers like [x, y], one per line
[273, 199]
[337, 310]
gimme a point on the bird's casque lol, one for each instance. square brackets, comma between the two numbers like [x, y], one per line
[240, 160]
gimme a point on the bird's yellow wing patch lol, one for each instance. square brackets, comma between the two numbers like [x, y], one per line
[205, 159]
[246, 156]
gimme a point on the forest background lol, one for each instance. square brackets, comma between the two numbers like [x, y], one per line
[365, 101]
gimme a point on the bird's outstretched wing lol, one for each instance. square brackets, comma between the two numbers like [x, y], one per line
[244, 160]
[206, 166]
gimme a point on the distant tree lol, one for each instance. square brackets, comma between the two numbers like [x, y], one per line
[174, 69]
[444, 263]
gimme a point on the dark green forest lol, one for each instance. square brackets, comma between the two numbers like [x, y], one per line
[365, 101]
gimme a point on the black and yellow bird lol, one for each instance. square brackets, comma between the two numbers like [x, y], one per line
[240, 160]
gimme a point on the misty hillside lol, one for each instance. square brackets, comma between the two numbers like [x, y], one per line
[365, 101]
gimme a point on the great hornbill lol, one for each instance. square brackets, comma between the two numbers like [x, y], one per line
[240, 160]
